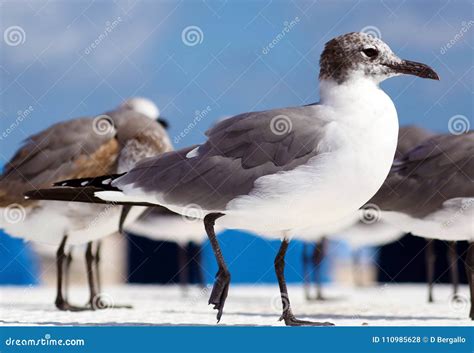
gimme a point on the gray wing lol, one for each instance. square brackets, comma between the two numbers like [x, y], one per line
[439, 169]
[71, 149]
[238, 151]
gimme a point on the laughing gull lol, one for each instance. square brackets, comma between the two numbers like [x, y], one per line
[430, 193]
[85, 147]
[280, 170]
[158, 223]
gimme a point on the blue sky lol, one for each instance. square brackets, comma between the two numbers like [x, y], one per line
[144, 54]
[53, 71]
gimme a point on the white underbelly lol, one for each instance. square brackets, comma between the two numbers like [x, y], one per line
[50, 221]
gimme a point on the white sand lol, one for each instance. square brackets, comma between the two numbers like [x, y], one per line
[246, 305]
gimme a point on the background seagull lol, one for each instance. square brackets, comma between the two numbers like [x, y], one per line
[430, 193]
[284, 169]
[83, 147]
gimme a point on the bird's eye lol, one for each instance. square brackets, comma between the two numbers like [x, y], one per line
[370, 52]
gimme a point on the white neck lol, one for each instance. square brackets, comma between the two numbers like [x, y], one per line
[358, 102]
[335, 94]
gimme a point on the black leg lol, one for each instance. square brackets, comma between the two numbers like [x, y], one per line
[453, 268]
[123, 216]
[67, 275]
[319, 254]
[430, 257]
[60, 302]
[94, 300]
[222, 282]
[97, 300]
[470, 275]
[97, 265]
[287, 315]
[306, 274]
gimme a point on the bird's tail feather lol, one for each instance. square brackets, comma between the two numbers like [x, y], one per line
[103, 182]
[81, 190]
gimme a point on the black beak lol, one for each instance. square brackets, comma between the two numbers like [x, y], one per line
[163, 123]
[413, 68]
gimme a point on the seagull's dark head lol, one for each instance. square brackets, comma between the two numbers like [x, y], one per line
[360, 54]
